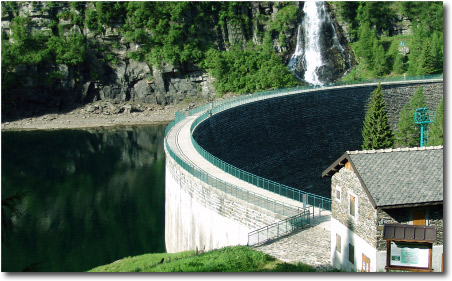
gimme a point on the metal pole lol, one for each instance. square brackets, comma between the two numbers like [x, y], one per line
[313, 210]
[422, 135]
[267, 233]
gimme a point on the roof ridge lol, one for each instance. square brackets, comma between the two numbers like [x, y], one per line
[399, 149]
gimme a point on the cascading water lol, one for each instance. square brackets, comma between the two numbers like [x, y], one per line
[311, 24]
[316, 29]
[298, 51]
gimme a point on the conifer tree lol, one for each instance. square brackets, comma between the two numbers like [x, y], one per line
[427, 60]
[407, 134]
[380, 61]
[437, 51]
[376, 130]
[366, 41]
[398, 66]
[436, 129]
[416, 48]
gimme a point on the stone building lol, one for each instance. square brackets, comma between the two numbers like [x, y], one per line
[377, 188]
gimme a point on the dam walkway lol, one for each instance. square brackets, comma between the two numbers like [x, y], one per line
[310, 245]
[180, 142]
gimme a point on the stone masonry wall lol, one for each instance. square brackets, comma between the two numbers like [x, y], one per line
[198, 216]
[364, 223]
[435, 218]
[397, 97]
[292, 139]
[220, 202]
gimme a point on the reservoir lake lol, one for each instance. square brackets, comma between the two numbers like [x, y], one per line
[76, 199]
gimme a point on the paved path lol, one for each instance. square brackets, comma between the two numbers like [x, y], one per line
[310, 246]
[180, 142]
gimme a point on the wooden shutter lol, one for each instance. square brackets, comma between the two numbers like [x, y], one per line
[366, 264]
[419, 217]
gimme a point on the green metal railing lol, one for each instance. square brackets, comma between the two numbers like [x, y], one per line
[238, 192]
[321, 202]
[220, 105]
[278, 229]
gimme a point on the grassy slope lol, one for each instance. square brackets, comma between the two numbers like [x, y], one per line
[228, 259]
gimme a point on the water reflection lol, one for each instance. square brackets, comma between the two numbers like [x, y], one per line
[75, 199]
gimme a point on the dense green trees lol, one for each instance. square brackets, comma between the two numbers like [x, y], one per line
[168, 32]
[366, 44]
[181, 32]
[376, 130]
[247, 71]
[161, 32]
[372, 21]
[407, 134]
[196, 33]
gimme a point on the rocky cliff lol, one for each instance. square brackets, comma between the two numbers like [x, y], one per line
[108, 71]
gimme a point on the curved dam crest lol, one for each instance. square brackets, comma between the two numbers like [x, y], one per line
[289, 139]
[292, 139]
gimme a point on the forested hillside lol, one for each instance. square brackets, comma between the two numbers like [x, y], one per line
[393, 38]
[56, 54]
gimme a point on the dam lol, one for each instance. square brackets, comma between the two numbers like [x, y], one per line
[238, 165]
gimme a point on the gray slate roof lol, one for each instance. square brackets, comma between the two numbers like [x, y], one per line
[401, 176]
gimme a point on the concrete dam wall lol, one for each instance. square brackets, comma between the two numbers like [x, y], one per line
[292, 139]
[198, 216]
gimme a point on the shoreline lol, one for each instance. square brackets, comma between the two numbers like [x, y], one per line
[85, 118]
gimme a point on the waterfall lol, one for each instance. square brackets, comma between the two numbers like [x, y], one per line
[298, 51]
[307, 58]
[311, 25]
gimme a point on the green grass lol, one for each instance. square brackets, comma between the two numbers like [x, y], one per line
[228, 259]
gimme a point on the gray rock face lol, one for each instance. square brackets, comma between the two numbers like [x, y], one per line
[112, 75]
[119, 79]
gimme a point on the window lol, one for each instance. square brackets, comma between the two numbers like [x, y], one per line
[338, 193]
[351, 253]
[352, 205]
[338, 243]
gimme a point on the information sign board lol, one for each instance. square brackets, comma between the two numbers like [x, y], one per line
[409, 254]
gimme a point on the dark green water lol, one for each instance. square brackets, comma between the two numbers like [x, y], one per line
[76, 199]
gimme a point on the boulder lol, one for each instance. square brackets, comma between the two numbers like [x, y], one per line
[90, 108]
[137, 71]
[127, 108]
[112, 108]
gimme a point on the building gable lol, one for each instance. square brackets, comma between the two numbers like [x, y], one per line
[397, 177]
